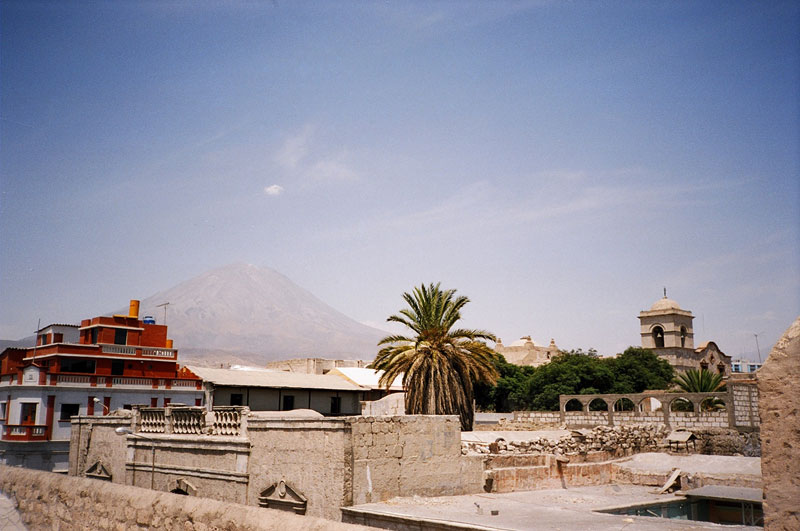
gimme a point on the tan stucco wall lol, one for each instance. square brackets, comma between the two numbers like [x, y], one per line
[52, 501]
[779, 408]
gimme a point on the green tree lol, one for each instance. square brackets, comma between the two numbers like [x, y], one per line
[639, 369]
[498, 397]
[440, 365]
[569, 373]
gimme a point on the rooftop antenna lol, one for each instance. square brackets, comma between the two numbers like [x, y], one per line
[164, 305]
[665, 292]
[36, 337]
[757, 347]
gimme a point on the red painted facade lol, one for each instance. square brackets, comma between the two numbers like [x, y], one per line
[120, 351]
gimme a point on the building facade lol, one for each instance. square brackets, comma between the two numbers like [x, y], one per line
[106, 363]
[525, 352]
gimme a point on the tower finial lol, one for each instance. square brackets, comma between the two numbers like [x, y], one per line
[665, 292]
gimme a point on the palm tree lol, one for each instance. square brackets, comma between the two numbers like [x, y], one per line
[439, 364]
[702, 381]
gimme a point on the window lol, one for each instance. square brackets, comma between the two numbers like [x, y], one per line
[28, 414]
[288, 402]
[117, 367]
[683, 336]
[42, 339]
[336, 405]
[69, 410]
[120, 337]
[2, 410]
[77, 365]
[94, 336]
[236, 399]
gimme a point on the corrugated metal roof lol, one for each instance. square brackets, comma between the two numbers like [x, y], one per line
[366, 377]
[274, 379]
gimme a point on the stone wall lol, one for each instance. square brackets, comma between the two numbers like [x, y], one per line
[52, 501]
[327, 462]
[778, 382]
[312, 456]
[392, 404]
[745, 403]
[411, 455]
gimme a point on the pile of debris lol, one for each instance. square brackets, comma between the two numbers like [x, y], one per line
[616, 440]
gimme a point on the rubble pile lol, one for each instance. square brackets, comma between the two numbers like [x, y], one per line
[616, 440]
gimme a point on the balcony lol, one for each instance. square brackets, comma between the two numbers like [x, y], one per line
[149, 352]
[19, 432]
[119, 349]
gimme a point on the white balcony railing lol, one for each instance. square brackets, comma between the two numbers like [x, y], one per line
[119, 349]
[157, 353]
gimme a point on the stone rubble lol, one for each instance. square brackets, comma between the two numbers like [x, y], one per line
[617, 440]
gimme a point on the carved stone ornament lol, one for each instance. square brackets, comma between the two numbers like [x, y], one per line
[98, 471]
[284, 497]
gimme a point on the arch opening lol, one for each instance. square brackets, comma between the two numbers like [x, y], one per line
[658, 336]
[598, 404]
[681, 404]
[573, 405]
[624, 404]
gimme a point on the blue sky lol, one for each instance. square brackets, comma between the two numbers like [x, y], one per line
[557, 162]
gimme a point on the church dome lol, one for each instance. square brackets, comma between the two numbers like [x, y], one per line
[665, 304]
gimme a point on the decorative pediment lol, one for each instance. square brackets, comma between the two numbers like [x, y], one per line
[98, 471]
[284, 497]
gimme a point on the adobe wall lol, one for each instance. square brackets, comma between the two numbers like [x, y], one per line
[52, 501]
[411, 455]
[331, 462]
[313, 457]
[94, 440]
[778, 382]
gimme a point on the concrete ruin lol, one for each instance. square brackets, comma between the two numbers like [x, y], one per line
[778, 381]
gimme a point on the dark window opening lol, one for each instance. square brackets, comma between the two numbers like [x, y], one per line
[237, 399]
[683, 337]
[288, 402]
[117, 368]
[179, 491]
[336, 405]
[658, 337]
[120, 337]
[77, 365]
[28, 414]
[94, 336]
[69, 410]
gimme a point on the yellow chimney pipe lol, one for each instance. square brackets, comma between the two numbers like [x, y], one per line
[134, 309]
[169, 343]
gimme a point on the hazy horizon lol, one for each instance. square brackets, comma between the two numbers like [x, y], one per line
[558, 163]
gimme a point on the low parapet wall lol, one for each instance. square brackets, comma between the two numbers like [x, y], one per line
[52, 501]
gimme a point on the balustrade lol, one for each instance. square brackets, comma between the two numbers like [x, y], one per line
[119, 349]
[227, 421]
[187, 420]
[191, 420]
[153, 420]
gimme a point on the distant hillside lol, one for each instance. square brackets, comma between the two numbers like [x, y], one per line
[242, 313]
[22, 343]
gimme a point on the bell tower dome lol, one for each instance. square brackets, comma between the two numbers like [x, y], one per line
[666, 326]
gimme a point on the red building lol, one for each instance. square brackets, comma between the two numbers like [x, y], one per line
[104, 364]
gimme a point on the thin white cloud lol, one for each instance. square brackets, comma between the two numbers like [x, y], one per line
[295, 149]
[274, 189]
[305, 156]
